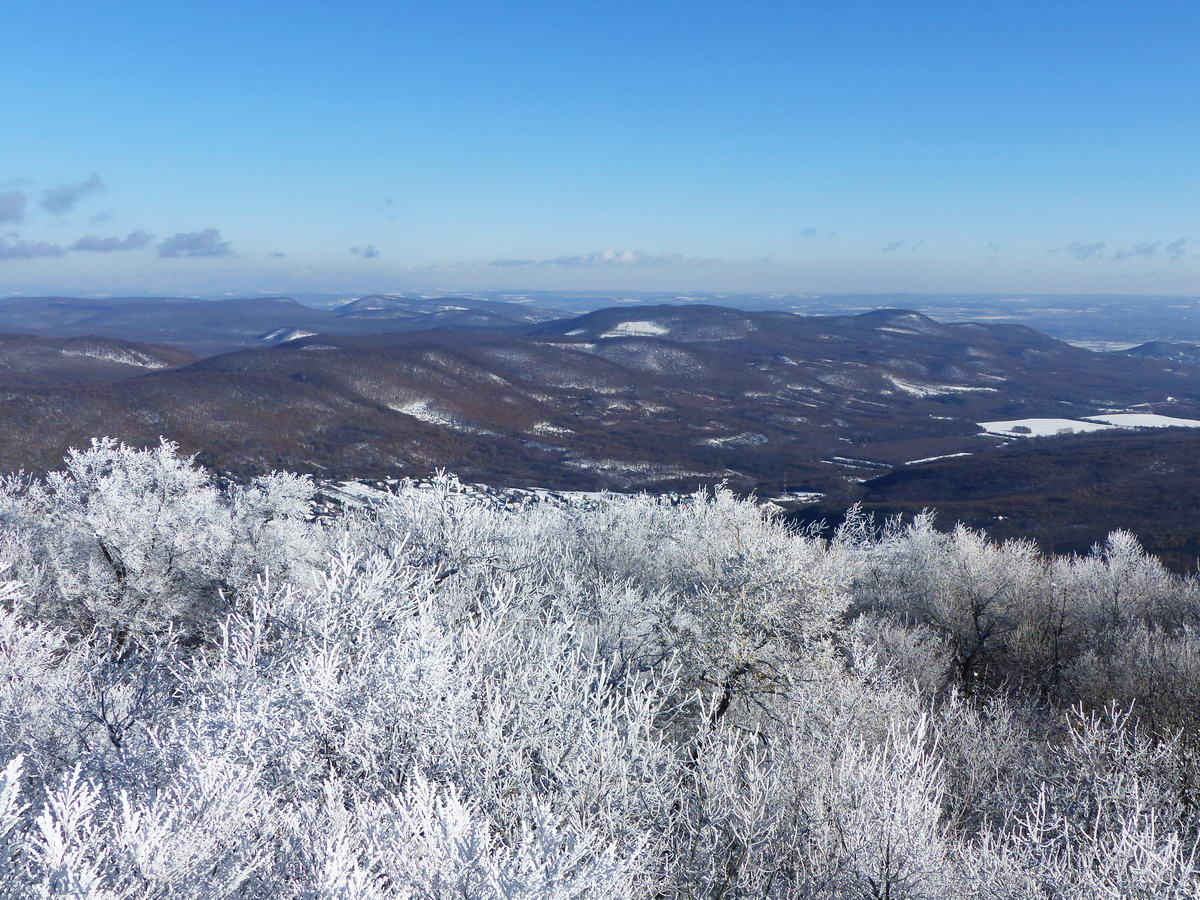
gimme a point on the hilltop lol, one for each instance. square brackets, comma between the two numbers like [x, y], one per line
[1187, 354]
[205, 327]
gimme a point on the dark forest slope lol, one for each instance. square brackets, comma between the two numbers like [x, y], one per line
[1066, 493]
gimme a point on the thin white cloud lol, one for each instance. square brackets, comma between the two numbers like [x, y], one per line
[12, 247]
[66, 197]
[902, 244]
[206, 242]
[625, 259]
[1081, 251]
[1137, 251]
[132, 241]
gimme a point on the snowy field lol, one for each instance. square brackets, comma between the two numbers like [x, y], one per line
[1051, 427]
[637, 329]
[1041, 427]
[1146, 420]
[1103, 346]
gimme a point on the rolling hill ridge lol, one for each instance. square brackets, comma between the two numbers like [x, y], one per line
[624, 398]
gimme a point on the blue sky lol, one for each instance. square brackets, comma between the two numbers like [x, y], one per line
[820, 146]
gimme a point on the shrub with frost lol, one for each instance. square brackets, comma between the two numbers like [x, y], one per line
[203, 694]
[135, 542]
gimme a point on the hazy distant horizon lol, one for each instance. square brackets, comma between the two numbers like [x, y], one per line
[241, 276]
[302, 294]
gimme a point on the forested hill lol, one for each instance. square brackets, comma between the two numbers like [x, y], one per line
[206, 692]
[658, 398]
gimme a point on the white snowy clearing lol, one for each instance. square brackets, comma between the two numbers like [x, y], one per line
[793, 498]
[913, 462]
[745, 439]
[125, 357]
[1051, 427]
[283, 335]
[932, 390]
[550, 428]
[637, 329]
[1041, 427]
[421, 409]
[1146, 420]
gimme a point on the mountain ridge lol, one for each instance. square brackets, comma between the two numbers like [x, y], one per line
[625, 398]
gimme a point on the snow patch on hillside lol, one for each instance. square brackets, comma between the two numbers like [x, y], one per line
[117, 355]
[282, 335]
[745, 439]
[913, 462]
[426, 412]
[800, 496]
[549, 428]
[790, 499]
[933, 390]
[855, 462]
[637, 329]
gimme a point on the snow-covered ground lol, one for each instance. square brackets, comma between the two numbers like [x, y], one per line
[283, 335]
[745, 439]
[1103, 346]
[913, 462]
[1051, 427]
[1146, 420]
[1042, 427]
[359, 494]
[637, 329]
[550, 428]
[423, 410]
[854, 462]
[933, 390]
[112, 354]
[793, 498]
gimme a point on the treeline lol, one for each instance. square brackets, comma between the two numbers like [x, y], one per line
[204, 693]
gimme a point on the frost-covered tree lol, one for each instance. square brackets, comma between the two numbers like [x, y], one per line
[137, 541]
[205, 694]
